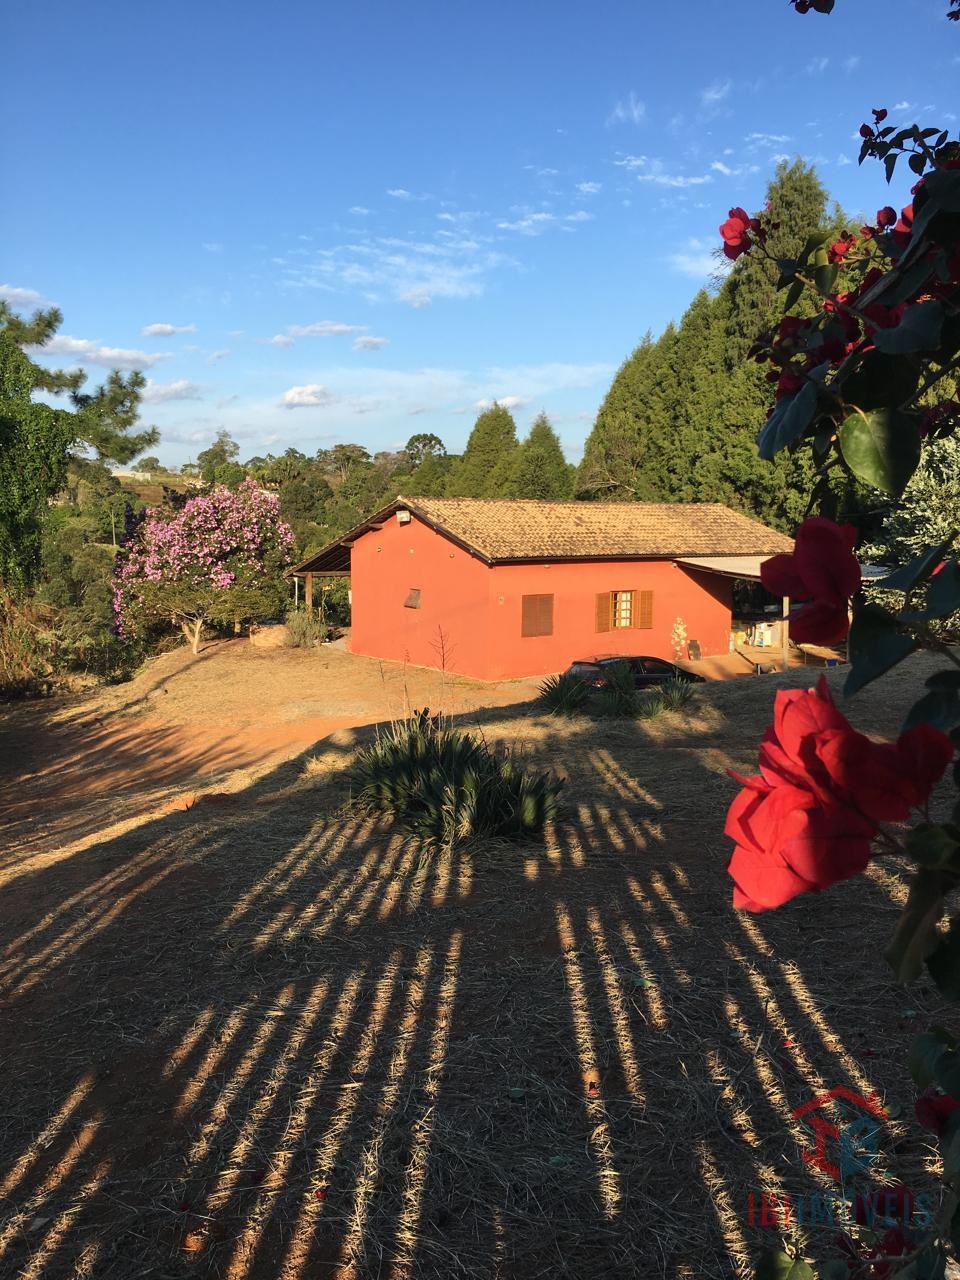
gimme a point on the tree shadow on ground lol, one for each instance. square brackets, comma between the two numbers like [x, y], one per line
[278, 1038]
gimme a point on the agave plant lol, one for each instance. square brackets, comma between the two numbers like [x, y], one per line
[619, 696]
[563, 695]
[676, 694]
[452, 786]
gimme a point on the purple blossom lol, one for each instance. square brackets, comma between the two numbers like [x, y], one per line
[215, 542]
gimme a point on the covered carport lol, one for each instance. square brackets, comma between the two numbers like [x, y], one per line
[332, 562]
[744, 569]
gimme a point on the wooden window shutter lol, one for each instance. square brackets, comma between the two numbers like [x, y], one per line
[537, 616]
[413, 599]
[605, 611]
[643, 609]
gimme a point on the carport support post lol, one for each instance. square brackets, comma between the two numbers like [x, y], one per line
[308, 595]
[785, 633]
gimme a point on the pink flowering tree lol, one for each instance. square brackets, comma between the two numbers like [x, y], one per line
[219, 557]
[863, 383]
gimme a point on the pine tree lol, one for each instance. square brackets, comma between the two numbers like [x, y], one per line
[36, 439]
[680, 421]
[797, 200]
[629, 453]
[539, 469]
[489, 454]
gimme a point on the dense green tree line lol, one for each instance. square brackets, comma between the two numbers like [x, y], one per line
[679, 423]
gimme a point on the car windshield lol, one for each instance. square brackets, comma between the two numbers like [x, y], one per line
[584, 669]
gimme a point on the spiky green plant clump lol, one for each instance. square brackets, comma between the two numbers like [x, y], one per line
[451, 786]
[563, 695]
[675, 695]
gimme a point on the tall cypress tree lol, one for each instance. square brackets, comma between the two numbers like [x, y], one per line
[681, 418]
[539, 469]
[797, 201]
[490, 450]
[623, 456]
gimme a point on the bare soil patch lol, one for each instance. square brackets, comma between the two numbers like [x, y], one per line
[260, 1037]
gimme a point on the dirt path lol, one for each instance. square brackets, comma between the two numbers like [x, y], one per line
[186, 727]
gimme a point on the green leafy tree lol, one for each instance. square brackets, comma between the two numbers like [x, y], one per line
[424, 445]
[224, 450]
[539, 469]
[430, 478]
[491, 448]
[37, 440]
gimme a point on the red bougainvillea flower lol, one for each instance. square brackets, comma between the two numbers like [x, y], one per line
[879, 114]
[736, 233]
[886, 216]
[934, 1109]
[822, 570]
[786, 844]
[808, 819]
[840, 248]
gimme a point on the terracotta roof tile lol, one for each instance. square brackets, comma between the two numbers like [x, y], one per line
[502, 529]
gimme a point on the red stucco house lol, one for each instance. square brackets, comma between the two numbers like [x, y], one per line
[497, 589]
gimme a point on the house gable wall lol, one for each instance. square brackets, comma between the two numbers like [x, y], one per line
[449, 629]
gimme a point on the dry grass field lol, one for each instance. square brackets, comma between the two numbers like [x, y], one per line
[246, 1033]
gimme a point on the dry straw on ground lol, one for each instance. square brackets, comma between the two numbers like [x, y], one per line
[266, 1037]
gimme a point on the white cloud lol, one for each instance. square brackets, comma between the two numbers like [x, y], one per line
[310, 396]
[531, 224]
[401, 193]
[278, 340]
[359, 210]
[370, 343]
[323, 329]
[698, 259]
[817, 66]
[89, 352]
[629, 110]
[674, 180]
[17, 297]
[652, 170]
[904, 106]
[589, 188]
[160, 392]
[733, 171]
[212, 246]
[581, 215]
[447, 264]
[715, 93]
[506, 402]
[166, 330]
[215, 356]
[851, 63]
[767, 139]
[418, 297]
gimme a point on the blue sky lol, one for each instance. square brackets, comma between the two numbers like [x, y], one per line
[310, 222]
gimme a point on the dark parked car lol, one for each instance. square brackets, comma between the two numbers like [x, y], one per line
[647, 672]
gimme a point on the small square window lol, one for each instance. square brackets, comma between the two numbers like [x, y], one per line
[623, 608]
[413, 599]
[536, 616]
